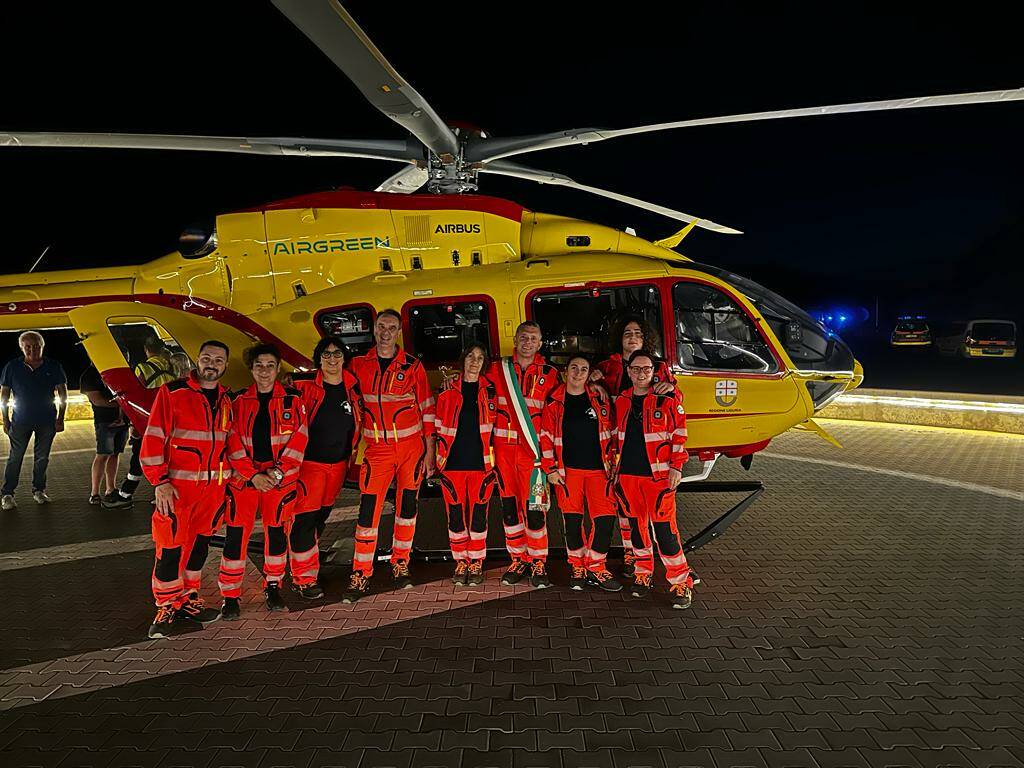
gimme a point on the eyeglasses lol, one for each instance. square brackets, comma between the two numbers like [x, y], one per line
[336, 354]
[641, 368]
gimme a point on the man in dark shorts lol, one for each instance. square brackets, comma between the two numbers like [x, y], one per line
[111, 434]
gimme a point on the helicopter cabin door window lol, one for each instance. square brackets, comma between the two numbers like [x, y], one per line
[583, 320]
[153, 354]
[354, 325]
[713, 333]
[438, 332]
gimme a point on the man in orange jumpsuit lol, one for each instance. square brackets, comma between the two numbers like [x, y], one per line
[184, 457]
[526, 535]
[398, 427]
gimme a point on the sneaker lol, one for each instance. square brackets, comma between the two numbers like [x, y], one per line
[231, 610]
[628, 565]
[400, 575]
[578, 579]
[311, 591]
[163, 623]
[272, 592]
[514, 574]
[603, 579]
[461, 572]
[194, 609]
[41, 497]
[7, 503]
[539, 575]
[475, 577]
[681, 594]
[358, 586]
[641, 585]
[114, 500]
[95, 500]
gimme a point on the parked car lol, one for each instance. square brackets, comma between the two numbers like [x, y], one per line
[911, 332]
[982, 338]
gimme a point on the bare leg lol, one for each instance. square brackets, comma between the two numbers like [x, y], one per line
[99, 464]
[110, 472]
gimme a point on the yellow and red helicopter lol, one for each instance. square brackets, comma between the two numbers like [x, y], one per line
[458, 265]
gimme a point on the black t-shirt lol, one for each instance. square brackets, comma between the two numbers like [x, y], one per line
[581, 442]
[261, 449]
[467, 451]
[332, 428]
[211, 398]
[634, 449]
[384, 362]
[91, 381]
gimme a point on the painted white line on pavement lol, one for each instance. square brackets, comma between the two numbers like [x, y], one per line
[66, 553]
[54, 453]
[260, 632]
[959, 484]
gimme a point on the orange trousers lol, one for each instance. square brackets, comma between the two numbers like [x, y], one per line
[182, 540]
[403, 463]
[589, 491]
[275, 510]
[466, 494]
[651, 504]
[526, 532]
[318, 488]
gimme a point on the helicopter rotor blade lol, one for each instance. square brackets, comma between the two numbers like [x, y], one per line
[373, 149]
[493, 149]
[355, 54]
[505, 168]
[406, 181]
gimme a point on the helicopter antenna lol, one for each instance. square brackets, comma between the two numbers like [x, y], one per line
[33, 269]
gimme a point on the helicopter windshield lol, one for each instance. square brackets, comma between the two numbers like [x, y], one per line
[808, 343]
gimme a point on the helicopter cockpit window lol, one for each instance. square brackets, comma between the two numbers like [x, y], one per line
[809, 344]
[713, 333]
[441, 331]
[152, 353]
[581, 320]
[353, 324]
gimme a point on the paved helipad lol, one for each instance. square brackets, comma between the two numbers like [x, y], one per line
[867, 611]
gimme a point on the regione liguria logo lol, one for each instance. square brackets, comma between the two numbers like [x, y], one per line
[726, 392]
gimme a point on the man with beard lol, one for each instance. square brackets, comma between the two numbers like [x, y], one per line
[184, 457]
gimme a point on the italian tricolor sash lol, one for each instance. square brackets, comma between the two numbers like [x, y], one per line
[540, 499]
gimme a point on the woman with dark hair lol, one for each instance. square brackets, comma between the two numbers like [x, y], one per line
[265, 445]
[333, 411]
[630, 334]
[577, 456]
[464, 425]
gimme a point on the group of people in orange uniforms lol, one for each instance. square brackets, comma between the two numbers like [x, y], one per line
[610, 441]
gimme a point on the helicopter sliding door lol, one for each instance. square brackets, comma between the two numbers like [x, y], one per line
[113, 333]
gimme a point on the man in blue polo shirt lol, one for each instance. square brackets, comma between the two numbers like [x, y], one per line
[33, 380]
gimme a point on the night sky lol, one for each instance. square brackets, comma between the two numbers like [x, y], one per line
[920, 210]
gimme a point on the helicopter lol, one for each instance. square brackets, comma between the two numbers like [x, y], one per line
[457, 264]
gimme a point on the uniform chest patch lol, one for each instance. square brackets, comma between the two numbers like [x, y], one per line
[679, 410]
[287, 416]
[347, 407]
[540, 380]
[400, 377]
[591, 413]
[657, 414]
[490, 406]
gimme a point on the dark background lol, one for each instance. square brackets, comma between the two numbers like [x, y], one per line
[917, 212]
